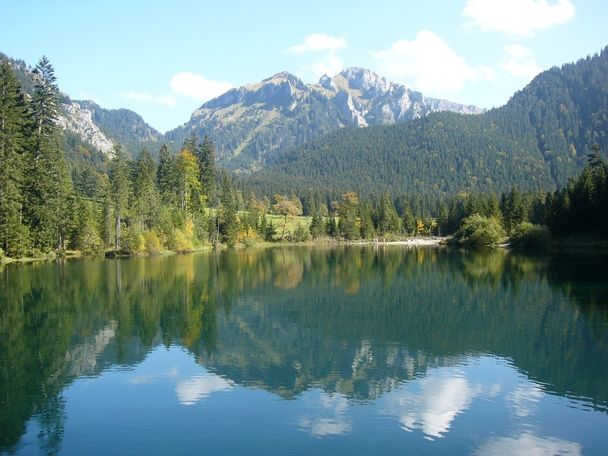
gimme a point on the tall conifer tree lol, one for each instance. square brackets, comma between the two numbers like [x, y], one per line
[13, 119]
[49, 185]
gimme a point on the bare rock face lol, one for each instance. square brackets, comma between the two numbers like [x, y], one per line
[250, 125]
[79, 120]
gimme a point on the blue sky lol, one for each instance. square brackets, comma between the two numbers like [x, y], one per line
[163, 59]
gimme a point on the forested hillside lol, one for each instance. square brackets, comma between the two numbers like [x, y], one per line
[536, 141]
[89, 128]
[255, 122]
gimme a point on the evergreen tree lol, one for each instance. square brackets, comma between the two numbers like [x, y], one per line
[317, 227]
[408, 221]
[388, 220]
[49, 184]
[228, 221]
[145, 195]
[88, 239]
[513, 209]
[270, 232]
[191, 198]
[367, 229]
[331, 227]
[206, 158]
[14, 235]
[107, 220]
[120, 191]
[166, 178]
[348, 211]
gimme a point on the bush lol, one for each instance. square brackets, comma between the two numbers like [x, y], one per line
[89, 240]
[179, 241]
[527, 234]
[478, 231]
[301, 233]
[153, 244]
[133, 241]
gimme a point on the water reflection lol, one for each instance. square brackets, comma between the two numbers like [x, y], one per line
[432, 403]
[325, 415]
[192, 390]
[425, 338]
[526, 444]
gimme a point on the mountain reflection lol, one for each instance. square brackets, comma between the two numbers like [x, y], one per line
[328, 326]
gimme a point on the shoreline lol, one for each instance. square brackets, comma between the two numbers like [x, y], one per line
[567, 245]
[324, 242]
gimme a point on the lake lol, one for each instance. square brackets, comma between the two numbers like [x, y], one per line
[353, 350]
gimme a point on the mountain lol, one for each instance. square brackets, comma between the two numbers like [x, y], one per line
[117, 125]
[253, 124]
[89, 125]
[539, 139]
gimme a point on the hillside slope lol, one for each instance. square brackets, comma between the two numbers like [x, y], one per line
[257, 122]
[536, 141]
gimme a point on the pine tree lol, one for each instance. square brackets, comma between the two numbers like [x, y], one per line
[317, 227]
[205, 153]
[348, 211]
[228, 222]
[388, 220]
[14, 234]
[120, 190]
[367, 228]
[146, 200]
[166, 178]
[107, 220]
[49, 185]
[191, 198]
[408, 221]
[331, 227]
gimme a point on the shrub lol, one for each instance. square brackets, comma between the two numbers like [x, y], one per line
[133, 241]
[89, 240]
[527, 234]
[478, 231]
[153, 244]
[179, 241]
[301, 233]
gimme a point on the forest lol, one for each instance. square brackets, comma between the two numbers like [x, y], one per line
[535, 142]
[53, 202]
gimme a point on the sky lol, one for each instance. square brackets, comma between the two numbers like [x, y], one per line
[163, 59]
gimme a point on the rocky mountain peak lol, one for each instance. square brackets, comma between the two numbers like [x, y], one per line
[365, 80]
[282, 77]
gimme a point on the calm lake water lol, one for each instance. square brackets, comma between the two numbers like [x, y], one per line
[306, 351]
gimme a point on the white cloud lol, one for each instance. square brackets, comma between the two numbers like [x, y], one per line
[428, 64]
[318, 42]
[517, 17]
[435, 407]
[190, 391]
[143, 379]
[525, 399]
[328, 415]
[323, 48]
[163, 100]
[528, 444]
[519, 62]
[197, 86]
[329, 65]
[89, 96]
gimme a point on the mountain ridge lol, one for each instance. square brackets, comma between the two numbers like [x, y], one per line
[537, 141]
[254, 122]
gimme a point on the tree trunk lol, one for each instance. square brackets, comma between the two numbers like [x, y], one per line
[118, 223]
[284, 226]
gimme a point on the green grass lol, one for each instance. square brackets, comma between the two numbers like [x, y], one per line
[292, 223]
